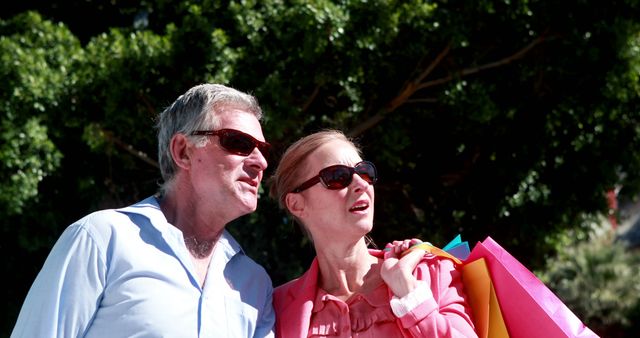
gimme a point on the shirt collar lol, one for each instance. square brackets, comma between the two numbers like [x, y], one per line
[150, 208]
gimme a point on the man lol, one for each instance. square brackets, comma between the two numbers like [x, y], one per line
[166, 266]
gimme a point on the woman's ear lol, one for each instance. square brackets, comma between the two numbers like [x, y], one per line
[295, 204]
[180, 151]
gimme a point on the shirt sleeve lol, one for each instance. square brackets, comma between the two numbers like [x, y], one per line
[446, 313]
[64, 296]
[417, 296]
[267, 319]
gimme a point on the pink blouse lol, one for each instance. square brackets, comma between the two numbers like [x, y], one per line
[303, 309]
[362, 315]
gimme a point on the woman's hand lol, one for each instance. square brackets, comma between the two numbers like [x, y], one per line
[397, 270]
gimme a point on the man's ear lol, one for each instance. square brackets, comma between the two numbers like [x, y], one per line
[180, 151]
[295, 204]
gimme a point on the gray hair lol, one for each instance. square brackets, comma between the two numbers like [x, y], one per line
[192, 111]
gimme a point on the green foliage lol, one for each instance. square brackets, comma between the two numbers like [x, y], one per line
[27, 156]
[597, 279]
[36, 71]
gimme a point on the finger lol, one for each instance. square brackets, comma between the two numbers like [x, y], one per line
[406, 244]
[391, 252]
[400, 247]
[415, 241]
[412, 258]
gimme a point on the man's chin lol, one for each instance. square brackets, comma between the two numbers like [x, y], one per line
[250, 204]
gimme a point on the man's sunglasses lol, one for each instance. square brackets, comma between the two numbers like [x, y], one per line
[339, 176]
[237, 142]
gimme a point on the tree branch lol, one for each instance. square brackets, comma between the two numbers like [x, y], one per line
[411, 87]
[468, 71]
[407, 90]
[129, 148]
[312, 98]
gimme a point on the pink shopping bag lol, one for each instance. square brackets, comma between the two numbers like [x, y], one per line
[529, 308]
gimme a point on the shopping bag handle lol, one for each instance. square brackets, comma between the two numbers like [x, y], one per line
[432, 249]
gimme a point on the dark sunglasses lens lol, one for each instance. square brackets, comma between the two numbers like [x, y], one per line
[265, 149]
[367, 171]
[237, 143]
[336, 177]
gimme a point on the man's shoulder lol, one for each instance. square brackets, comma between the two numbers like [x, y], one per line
[107, 221]
[99, 219]
[106, 213]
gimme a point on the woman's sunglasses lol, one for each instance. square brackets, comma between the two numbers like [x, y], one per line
[339, 176]
[237, 142]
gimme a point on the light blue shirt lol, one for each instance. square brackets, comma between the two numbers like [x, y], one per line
[127, 273]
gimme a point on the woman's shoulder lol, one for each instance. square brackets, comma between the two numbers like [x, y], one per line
[304, 286]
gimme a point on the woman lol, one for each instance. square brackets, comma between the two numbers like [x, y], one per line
[351, 290]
